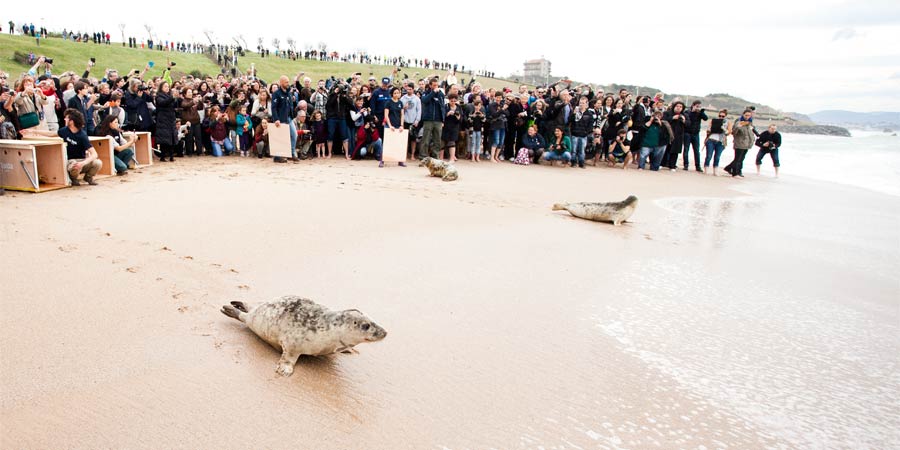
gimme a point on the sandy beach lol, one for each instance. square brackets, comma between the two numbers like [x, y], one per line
[755, 313]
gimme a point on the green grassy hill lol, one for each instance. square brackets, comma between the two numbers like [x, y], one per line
[68, 55]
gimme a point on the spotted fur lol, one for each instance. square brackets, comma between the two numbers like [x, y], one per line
[299, 326]
[615, 212]
[440, 168]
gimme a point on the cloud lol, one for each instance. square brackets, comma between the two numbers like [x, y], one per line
[845, 34]
[895, 76]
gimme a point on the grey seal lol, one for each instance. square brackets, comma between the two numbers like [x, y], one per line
[615, 212]
[440, 168]
[299, 326]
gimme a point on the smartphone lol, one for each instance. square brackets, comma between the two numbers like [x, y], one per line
[151, 64]
[93, 60]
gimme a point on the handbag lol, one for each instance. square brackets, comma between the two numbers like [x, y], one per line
[29, 120]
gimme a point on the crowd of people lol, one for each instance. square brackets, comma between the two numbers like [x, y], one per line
[446, 118]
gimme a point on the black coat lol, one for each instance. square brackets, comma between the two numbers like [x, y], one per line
[137, 115]
[166, 133]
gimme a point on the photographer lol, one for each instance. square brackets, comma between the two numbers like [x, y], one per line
[336, 113]
[432, 119]
[679, 122]
[412, 115]
[304, 135]
[582, 127]
[742, 140]
[191, 106]
[319, 98]
[692, 134]
[137, 114]
[619, 150]
[25, 102]
[166, 134]
[768, 142]
[657, 134]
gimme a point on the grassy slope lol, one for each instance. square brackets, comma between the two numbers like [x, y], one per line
[72, 56]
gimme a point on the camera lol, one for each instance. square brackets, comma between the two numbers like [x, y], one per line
[50, 60]
[173, 64]
[93, 60]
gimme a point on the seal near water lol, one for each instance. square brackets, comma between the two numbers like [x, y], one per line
[299, 326]
[615, 212]
[440, 168]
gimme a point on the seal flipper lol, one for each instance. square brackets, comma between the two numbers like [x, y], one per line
[233, 312]
[285, 365]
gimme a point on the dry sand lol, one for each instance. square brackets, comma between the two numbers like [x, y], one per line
[740, 314]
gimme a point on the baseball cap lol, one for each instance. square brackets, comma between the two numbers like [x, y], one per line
[385, 80]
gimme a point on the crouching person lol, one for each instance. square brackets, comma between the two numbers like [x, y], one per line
[560, 148]
[82, 158]
[123, 150]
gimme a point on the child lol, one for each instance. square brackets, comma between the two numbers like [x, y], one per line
[476, 126]
[243, 130]
[320, 135]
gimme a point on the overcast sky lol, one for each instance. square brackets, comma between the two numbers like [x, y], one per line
[796, 56]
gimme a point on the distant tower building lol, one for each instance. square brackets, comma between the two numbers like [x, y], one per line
[536, 71]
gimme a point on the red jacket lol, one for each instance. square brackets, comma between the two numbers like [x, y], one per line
[362, 140]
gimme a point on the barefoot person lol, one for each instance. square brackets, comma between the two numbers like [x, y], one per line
[768, 142]
[742, 137]
[620, 150]
[82, 158]
[716, 140]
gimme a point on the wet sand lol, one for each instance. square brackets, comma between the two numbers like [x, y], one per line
[739, 314]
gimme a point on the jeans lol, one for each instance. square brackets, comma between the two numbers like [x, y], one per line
[498, 137]
[338, 126]
[656, 156]
[553, 156]
[762, 153]
[578, 145]
[122, 158]
[475, 142]
[431, 138]
[376, 148]
[217, 149]
[689, 140]
[713, 147]
[294, 138]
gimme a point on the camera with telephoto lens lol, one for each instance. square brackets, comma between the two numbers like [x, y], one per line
[48, 60]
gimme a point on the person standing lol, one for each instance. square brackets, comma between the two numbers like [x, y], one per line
[692, 134]
[679, 122]
[283, 106]
[412, 115]
[582, 127]
[393, 121]
[84, 103]
[190, 115]
[657, 133]
[432, 118]
[742, 137]
[769, 142]
[166, 134]
[716, 140]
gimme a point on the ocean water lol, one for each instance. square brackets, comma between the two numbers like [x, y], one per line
[868, 159]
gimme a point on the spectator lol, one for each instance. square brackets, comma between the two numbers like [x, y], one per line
[692, 134]
[82, 158]
[191, 107]
[432, 119]
[743, 139]
[559, 148]
[768, 142]
[582, 127]
[475, 122]
[498, 114]
[25, 103]
[452, 121]
[283, 106]
[716, 140]
[657, 134]
[412, 115]
[123, 149]
[533, 146]
[679, 122]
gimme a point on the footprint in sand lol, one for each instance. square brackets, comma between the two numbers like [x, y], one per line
[244, 287]
[68, 248]
[233, 271]
[166, 249]
[132, 269]
[187, 257]
[182, 309]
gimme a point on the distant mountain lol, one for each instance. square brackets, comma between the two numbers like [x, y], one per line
[876, 120]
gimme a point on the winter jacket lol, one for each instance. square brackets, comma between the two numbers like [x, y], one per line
[432, 106]
[583, 126]
[742, 136]
[165, 133]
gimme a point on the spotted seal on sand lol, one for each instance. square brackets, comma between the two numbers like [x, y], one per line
[440, 168]
[615, 212]
[299, 326]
